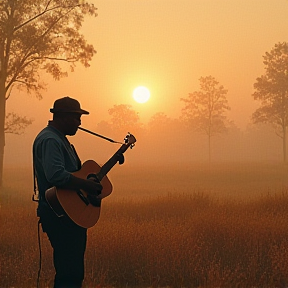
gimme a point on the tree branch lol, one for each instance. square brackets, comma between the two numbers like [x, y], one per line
[46, 10]
[58, 59]
[7, 97]
[28, 54]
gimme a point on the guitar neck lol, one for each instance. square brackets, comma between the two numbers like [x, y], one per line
[111, 162]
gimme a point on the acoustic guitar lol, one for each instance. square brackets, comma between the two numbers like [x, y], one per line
[84, 209]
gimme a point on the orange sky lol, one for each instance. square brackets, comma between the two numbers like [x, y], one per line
[166, 45]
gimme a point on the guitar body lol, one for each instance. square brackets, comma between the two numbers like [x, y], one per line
[76, 204]
[80, 207]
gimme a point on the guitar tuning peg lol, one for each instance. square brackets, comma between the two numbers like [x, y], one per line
[126, 138]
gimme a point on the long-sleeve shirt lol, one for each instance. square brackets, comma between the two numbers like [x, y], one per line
[54, 159]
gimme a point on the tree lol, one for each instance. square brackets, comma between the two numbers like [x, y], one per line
[124, 119]
[205, 109]
[16, 124]
[159, 121]
[38, 35]
[271, 89]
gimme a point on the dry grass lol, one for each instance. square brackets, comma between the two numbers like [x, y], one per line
[193, 226]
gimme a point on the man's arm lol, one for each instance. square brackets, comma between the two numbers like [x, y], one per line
[90, 186]
[56, 173]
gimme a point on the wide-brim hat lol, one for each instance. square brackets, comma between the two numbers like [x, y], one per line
[67, 105]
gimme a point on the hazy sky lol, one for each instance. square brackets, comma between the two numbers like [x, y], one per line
[167, 46]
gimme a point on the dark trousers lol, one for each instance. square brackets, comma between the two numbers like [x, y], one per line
[69, 243]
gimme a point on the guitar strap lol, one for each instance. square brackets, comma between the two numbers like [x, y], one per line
[35, 196]
[77, 157]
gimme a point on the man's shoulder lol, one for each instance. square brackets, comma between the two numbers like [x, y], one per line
[46, 134]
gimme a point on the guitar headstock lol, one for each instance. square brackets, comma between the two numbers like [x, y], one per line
[130, 140]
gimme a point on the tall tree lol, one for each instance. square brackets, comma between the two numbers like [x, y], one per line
[205, 109]
[271, 89]
[38, 35]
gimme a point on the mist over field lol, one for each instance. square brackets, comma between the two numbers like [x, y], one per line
[164, 225]
[174, 219]
[169, 144]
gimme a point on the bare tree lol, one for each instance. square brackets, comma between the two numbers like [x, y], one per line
[38, 35]
[205, 109]
[271, 89]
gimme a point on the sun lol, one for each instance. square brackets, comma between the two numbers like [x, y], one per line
[141, 94]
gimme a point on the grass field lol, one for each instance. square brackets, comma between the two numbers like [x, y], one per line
[191, 225]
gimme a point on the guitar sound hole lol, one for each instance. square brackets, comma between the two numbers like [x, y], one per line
[93, 177]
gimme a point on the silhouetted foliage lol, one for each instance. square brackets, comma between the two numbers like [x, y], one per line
[16, 124]
[159, 121]
[271, 90]
[205, 109]
[124, 119]
[37, 35]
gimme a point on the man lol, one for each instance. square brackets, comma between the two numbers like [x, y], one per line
[54, 160]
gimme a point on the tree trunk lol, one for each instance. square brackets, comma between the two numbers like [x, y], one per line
[209, 147]
[284, 144]
[2, 124]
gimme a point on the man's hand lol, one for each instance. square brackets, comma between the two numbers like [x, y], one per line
[95, 197]
[89, 186]
[120, 158]
[94, 188]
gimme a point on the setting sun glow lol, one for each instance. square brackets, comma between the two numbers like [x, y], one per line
[141, 94]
